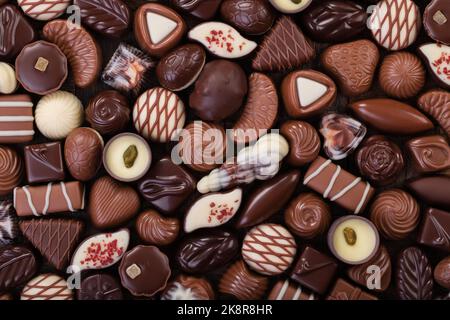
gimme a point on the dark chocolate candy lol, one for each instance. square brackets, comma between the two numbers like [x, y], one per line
[202, 9]
[442, 273]
[219, 79]
[144, 270]
[436, 20]
[314, 270]
[99, 286]
[435, 231]
[414, 275]
[166, 186]
[334, 21]
[434, 190]
[108, 17]
[41, 67]
[268, 199]
[9, 229]
[343, 290]
[17, 265]
[206, 251]
[249, 16]
[429, 154]
[15, 31]
[391, 116]
[43, 162]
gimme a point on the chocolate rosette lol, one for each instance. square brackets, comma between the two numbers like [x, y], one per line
[11, 169]
[395, 213]
[153, 228]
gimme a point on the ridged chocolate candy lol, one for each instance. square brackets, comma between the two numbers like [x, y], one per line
[17, 265]
[11, 170]
[155, 229]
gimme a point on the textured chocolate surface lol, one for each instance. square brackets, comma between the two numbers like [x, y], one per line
[430, 153]
[17, 265]
[100, 287]
[11, 170]
[155, 229]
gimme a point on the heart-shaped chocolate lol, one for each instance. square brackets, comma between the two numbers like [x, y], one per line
[111, 203]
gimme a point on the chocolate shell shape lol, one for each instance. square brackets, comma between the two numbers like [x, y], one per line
[268, 199]
[260, 110]
[429, 154]
[304, 142]
[434, 190]
[202, 9]
[188, 288]
[414, 275]
[361, 276]
[11, 170]
[178, 69]
[249, 16]
[436, 103]
[307, 93]
[155, 229]
[334, 21]
[108, 17]
[17, 265]
[395, 213]
[391, 116]
[241, 283]
[207, 251]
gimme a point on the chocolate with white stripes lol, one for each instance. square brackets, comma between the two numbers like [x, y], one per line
[16, 118]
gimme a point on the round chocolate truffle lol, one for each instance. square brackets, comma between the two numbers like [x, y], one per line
[395, 213]
[442, 273]
[402, 75]
[108, 112]
[11, 169]
[41, 67]
[178, 69]
[219, 91]
[99, 287]
[380, 160]
[308, 216]
[188, 288]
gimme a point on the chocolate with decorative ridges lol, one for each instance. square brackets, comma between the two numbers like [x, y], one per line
[47, 286]
[436, 103]
[430, 153]
[11, 170]
[155, 229]
[17, 265]
[44, 9]
[304, 142]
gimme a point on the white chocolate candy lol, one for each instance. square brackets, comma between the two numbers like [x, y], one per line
[58, 113]
[159, 26]
[101, 251]
[44, 9]
[8, 82]
[290, 6]
[437, 57]
[222, 40]
[47, 287]
[213, 210]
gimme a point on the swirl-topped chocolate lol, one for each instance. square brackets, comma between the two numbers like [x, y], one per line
[11, 169]
[155, 229]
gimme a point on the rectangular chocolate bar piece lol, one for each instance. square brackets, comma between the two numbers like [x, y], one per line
[343, 290]
[338, 185]
[16, 118]
[314, 270]
[435, 231]
[50, 198]
[44, 163]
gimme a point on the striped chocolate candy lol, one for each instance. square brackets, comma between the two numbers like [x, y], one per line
[16, 119]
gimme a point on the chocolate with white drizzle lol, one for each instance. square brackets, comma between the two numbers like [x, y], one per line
[338, 185]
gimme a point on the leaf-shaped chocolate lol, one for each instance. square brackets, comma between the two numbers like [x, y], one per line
[108, 17]
[414, 275]
[17, 265]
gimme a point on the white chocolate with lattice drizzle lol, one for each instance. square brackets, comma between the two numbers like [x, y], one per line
[44, 10]
[47, 287]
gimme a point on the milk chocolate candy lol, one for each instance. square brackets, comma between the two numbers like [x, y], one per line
[436, 103]
[442, 273]
[334, 21]
[343, 290]
[158, 28]
[287, 290]
[16, 112]
[436, 20]
[44, 162]
[15, 31]
[437, 60]
[202, 9]
[435, 230]
[391, 116]
[307, 93]
[108, 17]
[11, 170]
[338, 185]
[433, 190]
[50, 198]
[156, 229]
[430, 153]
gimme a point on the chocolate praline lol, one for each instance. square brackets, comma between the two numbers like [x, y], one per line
[442, 273]
[436, 20]
[11, 170]
[188, 288]
[99, 287]
[108, 112]
[380, 160]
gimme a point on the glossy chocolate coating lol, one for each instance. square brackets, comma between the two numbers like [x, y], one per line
[17, 265]
[442, 273]
[219, 79]
[380, 160]
[249, 16]
[334, 21]
[432, 190]
[144, 270]
[108, 112]
[429, 154]
[344, 291]
[44, 163]
[15, 31]
[41, 79]
[166, 186]
[436, 20]
[100, 286]
[156, 229]
[206, 251]
[202, 9]
[188, 288]
[435, 230]
[11, 170]
[268, 199]
[179, 68]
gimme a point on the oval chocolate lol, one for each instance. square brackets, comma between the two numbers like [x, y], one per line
[207, 251]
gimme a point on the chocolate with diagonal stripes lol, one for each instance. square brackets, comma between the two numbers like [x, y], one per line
[47, 287]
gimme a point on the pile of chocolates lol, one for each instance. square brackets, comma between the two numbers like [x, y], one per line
[224, 149]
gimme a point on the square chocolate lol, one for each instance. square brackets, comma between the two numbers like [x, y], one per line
[314, 270]
[44, 162]
[435, 230]
[343, 290]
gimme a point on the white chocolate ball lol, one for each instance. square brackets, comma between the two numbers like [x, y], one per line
[58, 113]
[8, 82]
